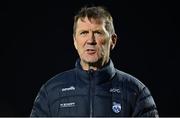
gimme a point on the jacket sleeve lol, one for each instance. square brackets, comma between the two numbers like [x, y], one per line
[145, 105]
[41, 107]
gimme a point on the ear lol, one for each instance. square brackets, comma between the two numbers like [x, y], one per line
[113, 41]
[75, 43]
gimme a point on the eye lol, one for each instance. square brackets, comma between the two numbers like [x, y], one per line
[98, 33]
[83, 32]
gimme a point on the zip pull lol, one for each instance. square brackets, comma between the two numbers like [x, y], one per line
[90, 71]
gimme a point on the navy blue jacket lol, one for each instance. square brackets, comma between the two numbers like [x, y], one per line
[106, 92]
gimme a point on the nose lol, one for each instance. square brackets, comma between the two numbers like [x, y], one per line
[91, 39]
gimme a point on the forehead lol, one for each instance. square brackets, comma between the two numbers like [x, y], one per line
[89, 22]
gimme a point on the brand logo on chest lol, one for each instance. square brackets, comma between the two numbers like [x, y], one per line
[116, 107]
[71, 88]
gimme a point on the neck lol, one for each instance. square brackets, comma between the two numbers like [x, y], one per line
[94, 66]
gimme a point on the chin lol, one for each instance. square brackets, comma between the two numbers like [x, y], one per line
[91, 60]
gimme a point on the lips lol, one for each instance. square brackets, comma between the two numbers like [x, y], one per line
[90, 51]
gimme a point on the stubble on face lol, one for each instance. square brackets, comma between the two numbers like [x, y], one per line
[93, 53]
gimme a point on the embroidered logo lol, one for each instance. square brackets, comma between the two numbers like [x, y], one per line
[116, 107]
[70, 104]
[71, 88]
[114, 90]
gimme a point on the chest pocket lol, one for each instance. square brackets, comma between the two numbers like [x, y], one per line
[70, 100]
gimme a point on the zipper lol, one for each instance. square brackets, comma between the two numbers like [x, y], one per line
[91, 94]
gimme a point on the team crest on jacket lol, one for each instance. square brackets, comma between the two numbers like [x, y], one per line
[116, 107]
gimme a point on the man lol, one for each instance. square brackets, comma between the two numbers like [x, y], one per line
[94, 87]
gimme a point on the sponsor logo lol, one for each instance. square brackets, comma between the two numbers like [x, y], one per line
[70, 104]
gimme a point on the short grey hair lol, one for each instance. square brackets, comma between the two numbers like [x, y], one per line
[97, 13]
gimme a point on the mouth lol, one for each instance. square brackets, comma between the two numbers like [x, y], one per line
[90, 51]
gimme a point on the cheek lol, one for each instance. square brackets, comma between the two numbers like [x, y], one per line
[80, 46]
[104, 43]
[79, 43]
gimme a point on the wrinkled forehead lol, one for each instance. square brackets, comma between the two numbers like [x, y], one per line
[92, 20]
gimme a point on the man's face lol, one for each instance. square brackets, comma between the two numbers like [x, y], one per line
[92, 40]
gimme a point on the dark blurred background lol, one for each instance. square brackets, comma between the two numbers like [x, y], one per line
[36, 43]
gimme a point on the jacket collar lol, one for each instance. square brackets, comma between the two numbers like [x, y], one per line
[103, 75]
